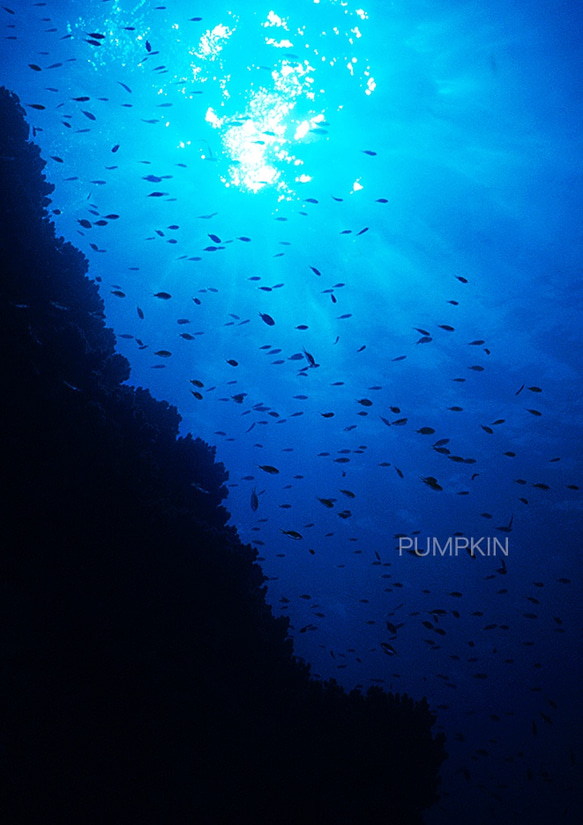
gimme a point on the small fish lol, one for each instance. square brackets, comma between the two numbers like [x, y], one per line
[311, 359]
[268, 468]
[368, 152]
[507, 528]
[254, 502]
[431, 482]
[232, 362]
[293, 534]
[267, 319]
[165, 296]
[163, 353]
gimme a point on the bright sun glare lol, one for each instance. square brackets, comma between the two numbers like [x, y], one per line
[259, 139]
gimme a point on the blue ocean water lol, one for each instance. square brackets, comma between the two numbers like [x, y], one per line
[368, 223]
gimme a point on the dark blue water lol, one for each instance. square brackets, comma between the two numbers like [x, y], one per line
[368, 221]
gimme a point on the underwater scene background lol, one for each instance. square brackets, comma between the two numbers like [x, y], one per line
[345, 242]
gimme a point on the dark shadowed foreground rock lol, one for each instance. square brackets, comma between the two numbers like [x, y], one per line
[145, 679]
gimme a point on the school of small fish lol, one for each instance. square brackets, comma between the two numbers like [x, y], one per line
[361, 463]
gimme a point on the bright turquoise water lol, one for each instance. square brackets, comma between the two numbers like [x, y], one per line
[354, 164]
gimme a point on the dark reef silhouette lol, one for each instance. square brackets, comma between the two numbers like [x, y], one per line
[145, 679]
